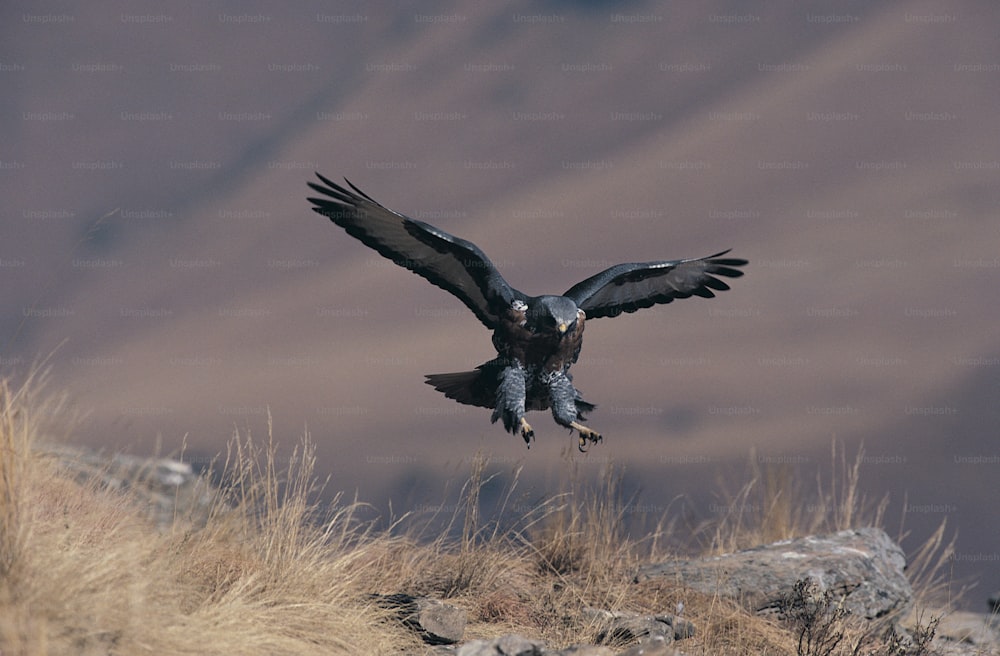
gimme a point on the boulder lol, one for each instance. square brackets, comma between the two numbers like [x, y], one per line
[863, 566]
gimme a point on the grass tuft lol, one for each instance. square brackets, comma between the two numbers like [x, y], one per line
[775, 504]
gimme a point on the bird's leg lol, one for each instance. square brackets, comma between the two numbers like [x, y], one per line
[563, 397]
[510, 403]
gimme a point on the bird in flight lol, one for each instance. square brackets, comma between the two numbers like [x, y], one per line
[537, 338]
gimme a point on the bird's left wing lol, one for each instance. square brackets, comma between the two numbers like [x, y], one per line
[453, 264]
[630, 287]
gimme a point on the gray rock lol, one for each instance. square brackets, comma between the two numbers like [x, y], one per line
[863, 566]
[618, 627]
[508, 645]
[683, 629]
[168, 490]
[581, 650]
[641, 628]
[437, 623]
[625, 627]
[652, 648]
[517, 645]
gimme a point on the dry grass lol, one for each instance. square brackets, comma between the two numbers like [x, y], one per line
[85, 573]
[774, 504]
[271, 572]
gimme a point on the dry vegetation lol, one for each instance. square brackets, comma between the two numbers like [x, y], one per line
[271, 572]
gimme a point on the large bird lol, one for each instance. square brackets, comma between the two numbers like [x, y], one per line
[537, 338]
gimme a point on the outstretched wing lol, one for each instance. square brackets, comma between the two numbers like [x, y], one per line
[629, 287]
[453, 264]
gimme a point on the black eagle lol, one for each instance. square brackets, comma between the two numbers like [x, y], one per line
[537, 338]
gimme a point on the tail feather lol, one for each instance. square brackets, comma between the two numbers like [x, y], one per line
[468, 387]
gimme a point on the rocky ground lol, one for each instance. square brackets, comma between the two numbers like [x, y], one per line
[808, 584]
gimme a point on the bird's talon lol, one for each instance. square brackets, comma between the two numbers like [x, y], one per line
[527, 433]
[587, 436]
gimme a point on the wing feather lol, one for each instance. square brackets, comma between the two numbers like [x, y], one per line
[453, 264]
[636, 285]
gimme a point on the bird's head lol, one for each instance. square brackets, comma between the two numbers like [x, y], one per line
[552, 315]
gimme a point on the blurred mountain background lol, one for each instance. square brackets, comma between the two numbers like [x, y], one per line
[159, 253]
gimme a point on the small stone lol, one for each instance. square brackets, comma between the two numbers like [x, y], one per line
[683, 629]
[643, 628]
[624, 626]
[437, 623]
[652, 648]
[581, 650]
[508, 645]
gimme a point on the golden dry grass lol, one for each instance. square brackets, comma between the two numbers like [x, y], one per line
[83, 571]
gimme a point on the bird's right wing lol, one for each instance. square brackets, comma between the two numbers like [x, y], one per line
[453, 264]
[630, 287]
